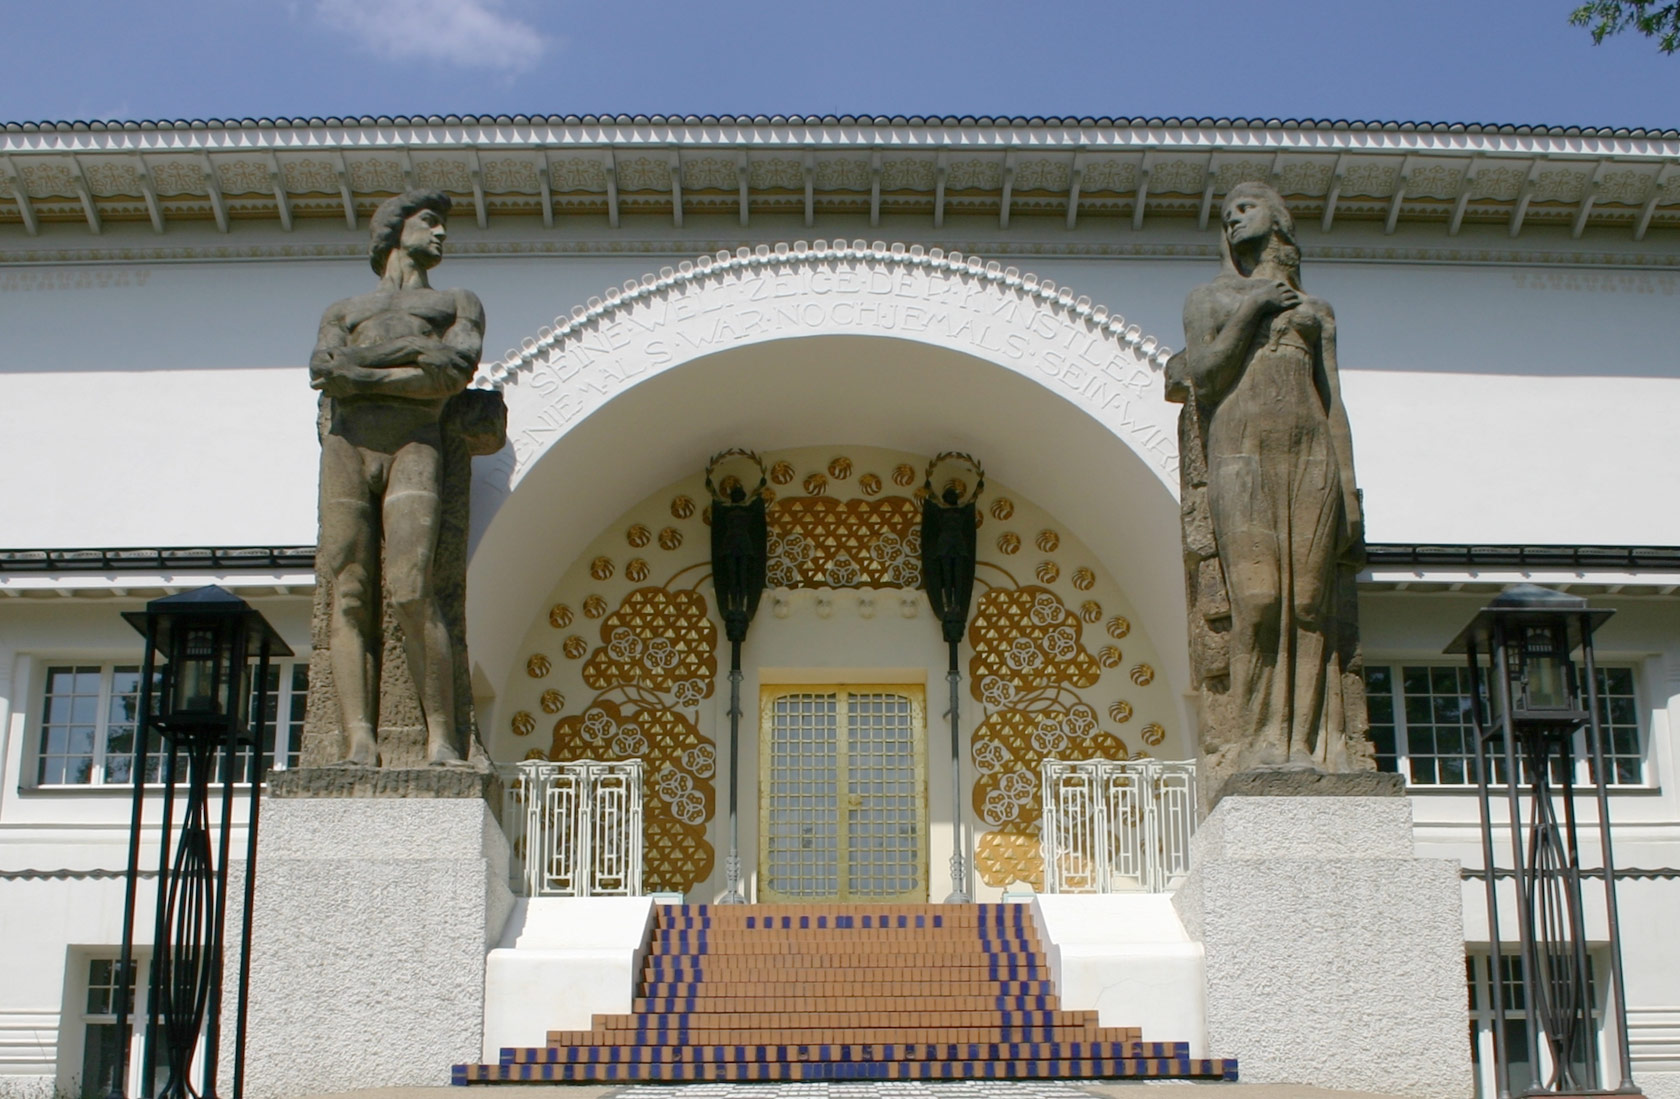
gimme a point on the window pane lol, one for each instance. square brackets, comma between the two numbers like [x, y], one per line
[70, 714]
[123, 712]
[1516, 1054]
[1618, 715]
[101, 980]
[1443, 682]
[102, 986]
[101, 1055]
[1440, 724]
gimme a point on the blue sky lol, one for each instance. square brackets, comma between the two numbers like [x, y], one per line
[1418, 60]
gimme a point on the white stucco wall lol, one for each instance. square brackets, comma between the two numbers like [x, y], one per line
[151, 400]
[1449, 366]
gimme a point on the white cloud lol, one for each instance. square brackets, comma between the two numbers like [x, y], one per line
[476, 34]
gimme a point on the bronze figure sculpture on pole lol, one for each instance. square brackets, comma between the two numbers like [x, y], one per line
[740, 559]
[949, 551]
[1272, 523]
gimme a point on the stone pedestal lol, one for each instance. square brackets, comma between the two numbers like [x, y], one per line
[372, 919]
[1334, 955]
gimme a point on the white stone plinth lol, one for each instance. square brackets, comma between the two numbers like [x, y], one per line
[371, 924]
[562, 961]
[1334, 955]
[1128, 957]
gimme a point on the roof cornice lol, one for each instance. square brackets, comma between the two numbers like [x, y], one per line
[314, 171]
[835, 132]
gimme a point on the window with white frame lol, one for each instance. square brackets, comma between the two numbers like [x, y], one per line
[1422, 725]
[88, 719]
[103, 1042]
[1479, 973]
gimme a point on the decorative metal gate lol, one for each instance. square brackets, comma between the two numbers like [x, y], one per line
[843, 794]
[577, 827]
[1117, 826]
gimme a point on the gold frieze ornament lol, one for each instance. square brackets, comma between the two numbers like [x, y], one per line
[644, 662]
[678, 796]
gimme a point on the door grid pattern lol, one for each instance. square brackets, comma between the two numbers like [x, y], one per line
[843, 787]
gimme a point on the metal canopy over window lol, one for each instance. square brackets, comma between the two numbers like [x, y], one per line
[843, 793]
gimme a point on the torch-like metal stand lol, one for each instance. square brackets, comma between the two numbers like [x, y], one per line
[732, 862]
[959, 864]
[740, 557]
[950, 518]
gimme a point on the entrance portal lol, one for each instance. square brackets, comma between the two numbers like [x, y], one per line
[843, 794]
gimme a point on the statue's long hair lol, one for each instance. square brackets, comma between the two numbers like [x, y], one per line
[1280, 247]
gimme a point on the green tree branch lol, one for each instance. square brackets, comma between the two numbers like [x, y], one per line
[1649, 18]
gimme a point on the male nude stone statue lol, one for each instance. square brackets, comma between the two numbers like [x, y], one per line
[388, 362]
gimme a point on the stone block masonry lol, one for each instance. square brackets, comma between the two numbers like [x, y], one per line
[1334, 955]
[371, 924]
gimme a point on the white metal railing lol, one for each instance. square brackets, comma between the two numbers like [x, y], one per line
[575, 828]
[1117, 826]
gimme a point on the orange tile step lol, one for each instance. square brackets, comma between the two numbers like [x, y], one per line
[842, 1051]
[829, 992]
[1025, 1069]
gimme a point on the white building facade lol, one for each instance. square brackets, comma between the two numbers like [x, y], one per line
[847, 298]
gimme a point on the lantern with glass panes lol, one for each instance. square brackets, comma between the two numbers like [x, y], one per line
[204, 682]
[1535, 710]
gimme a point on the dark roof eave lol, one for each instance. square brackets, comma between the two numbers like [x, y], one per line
[1058, 122]
[302, 558]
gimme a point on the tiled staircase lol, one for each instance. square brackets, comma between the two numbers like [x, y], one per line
[844, 992]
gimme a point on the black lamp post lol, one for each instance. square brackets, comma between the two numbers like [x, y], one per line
[1530, 701]
[740, 558]
[949, 551]
[196, 698]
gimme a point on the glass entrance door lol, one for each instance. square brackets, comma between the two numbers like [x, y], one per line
[842, 794]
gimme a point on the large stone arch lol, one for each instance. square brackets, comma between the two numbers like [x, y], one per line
[887, 346]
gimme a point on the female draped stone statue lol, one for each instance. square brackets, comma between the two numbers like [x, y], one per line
[1272, 524]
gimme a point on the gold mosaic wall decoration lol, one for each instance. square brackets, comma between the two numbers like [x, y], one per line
[620, 660]
[819, 541]
[1045, 677]
[658, 656]
[658, 640]
[639, 656]
[678, 799]
[1025, 640]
